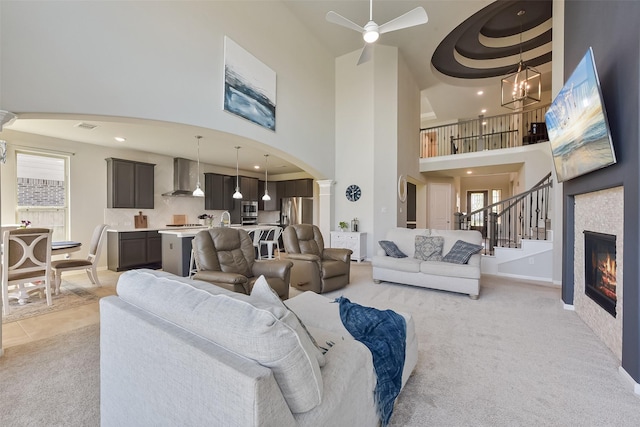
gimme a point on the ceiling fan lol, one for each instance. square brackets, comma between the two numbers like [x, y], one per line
[371, 31]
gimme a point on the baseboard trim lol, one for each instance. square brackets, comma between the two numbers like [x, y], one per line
[569, 307]
[630, 380]
[522, 277]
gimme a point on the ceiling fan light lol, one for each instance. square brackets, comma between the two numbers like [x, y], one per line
[370, 36]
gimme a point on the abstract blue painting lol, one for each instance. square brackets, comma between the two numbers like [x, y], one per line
[249, 86]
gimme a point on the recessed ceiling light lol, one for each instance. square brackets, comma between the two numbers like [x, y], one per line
[256, 167]
[120, 139]
[484, 110]
[480, 92]
[469, 172]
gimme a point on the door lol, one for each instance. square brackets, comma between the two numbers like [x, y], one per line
[477, 200]
[440, 209]
[411, 205]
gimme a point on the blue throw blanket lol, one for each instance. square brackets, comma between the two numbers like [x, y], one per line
[384, 333]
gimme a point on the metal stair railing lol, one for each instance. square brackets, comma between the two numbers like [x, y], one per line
[507, 222]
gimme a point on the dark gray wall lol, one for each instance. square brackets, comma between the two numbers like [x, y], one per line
[611, 29]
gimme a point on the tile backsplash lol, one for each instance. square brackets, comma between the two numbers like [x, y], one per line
[166, 207]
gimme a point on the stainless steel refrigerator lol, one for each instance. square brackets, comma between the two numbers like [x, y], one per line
[296, 210]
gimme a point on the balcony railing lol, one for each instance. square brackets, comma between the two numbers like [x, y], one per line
[485, 133]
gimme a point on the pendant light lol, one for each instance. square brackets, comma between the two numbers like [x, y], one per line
[523, 87]
[266, 196]
[237, 194]
[198, 191]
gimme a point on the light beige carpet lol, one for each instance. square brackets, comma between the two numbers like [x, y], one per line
[514, 357]
[52, 382]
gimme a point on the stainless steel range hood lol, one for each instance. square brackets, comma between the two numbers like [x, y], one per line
[181, 179]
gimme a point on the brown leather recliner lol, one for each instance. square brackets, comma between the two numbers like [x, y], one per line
[225, 257]
[315, 268]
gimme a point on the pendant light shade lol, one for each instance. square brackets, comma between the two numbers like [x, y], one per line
[198, 191]
[266, 196]
[523, 87]
[237, 194]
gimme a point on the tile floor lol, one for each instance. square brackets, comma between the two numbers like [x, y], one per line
[50, 324]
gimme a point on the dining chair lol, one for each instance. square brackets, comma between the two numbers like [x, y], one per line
[255, 235]
[271, 239]
[90, 264]
[26, 263]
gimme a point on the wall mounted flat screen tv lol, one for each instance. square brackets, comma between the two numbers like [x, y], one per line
[577, 124]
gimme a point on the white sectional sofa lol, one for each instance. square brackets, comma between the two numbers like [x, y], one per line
[175, 351]
[461, 278]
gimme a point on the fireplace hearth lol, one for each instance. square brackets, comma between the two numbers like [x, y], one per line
[600, 269]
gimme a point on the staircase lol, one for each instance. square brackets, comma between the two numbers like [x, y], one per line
[518, 240]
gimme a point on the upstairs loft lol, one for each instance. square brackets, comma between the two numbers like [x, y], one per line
[484, 133]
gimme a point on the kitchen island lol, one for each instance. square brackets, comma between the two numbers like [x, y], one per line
[176, 247]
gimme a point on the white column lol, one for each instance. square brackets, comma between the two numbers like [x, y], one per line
[325, 207]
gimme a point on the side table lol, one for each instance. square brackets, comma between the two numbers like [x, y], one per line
[356, 241]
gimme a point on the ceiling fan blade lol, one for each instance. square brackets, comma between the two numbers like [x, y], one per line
[334, 18]
[414, 17]
[367, 53]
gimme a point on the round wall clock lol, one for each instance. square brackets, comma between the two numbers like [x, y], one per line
[353, 193]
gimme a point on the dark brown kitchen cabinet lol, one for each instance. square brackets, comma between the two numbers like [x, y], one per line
[304, 188]
[218, 191]
[134, 249]
[295, 188]
[249, 188]
[130, 184]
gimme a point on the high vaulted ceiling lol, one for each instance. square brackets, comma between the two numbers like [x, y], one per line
[472, 38]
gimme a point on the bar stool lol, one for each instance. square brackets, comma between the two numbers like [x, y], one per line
[272, 237]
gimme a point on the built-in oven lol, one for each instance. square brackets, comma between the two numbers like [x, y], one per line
[249, 213]
[249, 209]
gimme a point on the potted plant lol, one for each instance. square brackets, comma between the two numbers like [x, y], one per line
[206, 219]
[343, 226]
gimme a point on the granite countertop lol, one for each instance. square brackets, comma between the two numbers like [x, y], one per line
[191, 232]
[130, 230]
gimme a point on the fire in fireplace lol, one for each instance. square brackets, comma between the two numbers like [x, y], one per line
[600, 269]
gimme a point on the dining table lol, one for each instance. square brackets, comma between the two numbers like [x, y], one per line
[65, 247]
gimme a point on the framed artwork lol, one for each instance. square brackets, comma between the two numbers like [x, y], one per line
[249, 86]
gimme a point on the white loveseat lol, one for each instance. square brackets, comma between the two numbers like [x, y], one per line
[461, 278]
[175, 351]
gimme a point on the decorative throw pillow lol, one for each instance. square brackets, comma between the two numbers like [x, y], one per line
[429, 248]
[461, 252]
[391, 249]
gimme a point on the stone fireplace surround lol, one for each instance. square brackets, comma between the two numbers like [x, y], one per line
[602, 212]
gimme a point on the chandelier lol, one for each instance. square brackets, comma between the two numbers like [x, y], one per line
[522, 87]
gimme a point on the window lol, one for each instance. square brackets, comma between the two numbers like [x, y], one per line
[496, 196]
[43, 192]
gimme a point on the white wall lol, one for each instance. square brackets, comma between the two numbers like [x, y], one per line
[164, 61]
[354, 160]
[409, 141]
[377, 127]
